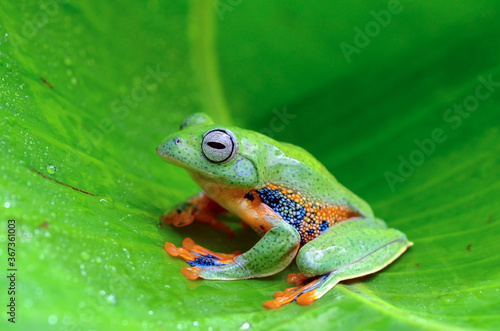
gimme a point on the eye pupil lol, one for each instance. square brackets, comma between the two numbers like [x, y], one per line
[216, 145]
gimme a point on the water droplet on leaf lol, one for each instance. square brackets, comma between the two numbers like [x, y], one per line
[51, 169]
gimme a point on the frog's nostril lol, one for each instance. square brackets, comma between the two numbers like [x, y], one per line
[178, 141]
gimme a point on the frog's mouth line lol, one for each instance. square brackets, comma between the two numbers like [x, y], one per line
[167, 158]
[176, 162]
[192, 170]
[170, 159]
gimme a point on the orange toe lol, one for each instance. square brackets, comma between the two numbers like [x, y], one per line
[303, 294]
[279, 294]
[307, 298]
[296, 279]
[285, 292]
[272, 304]
[191, 272]
[186, 255]
[188, 244]
[279, 301]
[197, 256]
[171, 249]
[283, 298]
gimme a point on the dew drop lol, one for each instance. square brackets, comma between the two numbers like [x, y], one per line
[109, 298]
[127, 253]
[51, 169]
[107, 202]
[52, 319]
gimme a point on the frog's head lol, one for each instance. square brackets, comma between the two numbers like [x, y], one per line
[213, 152]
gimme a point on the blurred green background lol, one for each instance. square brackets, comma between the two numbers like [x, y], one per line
[400, 100]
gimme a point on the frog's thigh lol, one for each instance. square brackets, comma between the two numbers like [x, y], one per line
[351, 251]
[352, 224]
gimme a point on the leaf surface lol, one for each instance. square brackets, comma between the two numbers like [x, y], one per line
[89, 89]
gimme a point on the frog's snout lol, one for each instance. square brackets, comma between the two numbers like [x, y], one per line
[163, 149]
[168, 147]
[159, 150]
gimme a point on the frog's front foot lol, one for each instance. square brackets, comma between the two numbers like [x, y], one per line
[198, 257]
[200, 208]
[181, 215]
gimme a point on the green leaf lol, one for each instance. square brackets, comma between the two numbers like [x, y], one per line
[406, 121]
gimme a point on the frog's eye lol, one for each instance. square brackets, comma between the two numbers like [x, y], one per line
[219, 146]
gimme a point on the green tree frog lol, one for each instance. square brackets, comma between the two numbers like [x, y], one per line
[290, 199]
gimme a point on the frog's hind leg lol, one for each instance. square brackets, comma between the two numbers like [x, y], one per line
[311, 289]
[355, 249]
[197, 256]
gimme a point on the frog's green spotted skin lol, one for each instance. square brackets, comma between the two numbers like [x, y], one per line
[288, 197]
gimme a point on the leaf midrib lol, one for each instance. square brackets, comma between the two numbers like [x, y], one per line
[204, 61]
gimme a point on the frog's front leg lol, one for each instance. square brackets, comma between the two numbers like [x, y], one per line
[272, 253]
[350, 249]
[201, 208]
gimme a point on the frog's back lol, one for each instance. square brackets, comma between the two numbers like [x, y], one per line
[289, 167]
[301, 190]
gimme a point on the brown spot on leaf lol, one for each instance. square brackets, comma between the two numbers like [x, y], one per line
[47, 83]
[44, 225]
[67, 185]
